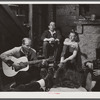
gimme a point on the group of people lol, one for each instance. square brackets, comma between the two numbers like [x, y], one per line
[68, 75]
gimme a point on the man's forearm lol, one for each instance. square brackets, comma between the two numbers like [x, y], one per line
[4, 57]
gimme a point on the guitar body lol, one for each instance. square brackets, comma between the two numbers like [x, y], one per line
[8, 71]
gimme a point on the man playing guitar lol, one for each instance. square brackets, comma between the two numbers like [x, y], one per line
[24, 50]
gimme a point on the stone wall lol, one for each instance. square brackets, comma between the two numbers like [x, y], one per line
[89, 41]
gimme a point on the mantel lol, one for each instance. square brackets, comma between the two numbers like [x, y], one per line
[80, 23]
[87, 22]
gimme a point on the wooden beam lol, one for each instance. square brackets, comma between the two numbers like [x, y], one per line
[31, 21]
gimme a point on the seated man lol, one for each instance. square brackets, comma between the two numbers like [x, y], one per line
[40, 85]
[93, 75]
[22, 77]
[51, 39]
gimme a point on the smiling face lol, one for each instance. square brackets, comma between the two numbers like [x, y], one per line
[26, 44]
[51, 26]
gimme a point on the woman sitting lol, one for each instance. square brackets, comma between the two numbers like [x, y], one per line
[71, 53]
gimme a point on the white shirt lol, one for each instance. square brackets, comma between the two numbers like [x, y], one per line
[52, 32]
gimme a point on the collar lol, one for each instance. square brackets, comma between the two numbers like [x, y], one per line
[23, 51]
[52, 32]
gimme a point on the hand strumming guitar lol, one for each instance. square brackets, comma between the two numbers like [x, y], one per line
[18, 66]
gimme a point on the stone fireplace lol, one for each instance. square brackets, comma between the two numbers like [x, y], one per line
[89, 35]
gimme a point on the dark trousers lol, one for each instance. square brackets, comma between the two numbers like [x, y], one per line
[48, 48]
[25, 77]
[97, 85]
[33, 86]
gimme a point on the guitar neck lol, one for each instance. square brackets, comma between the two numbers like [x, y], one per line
[34, 62]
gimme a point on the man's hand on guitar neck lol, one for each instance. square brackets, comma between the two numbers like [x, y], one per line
[44, 62]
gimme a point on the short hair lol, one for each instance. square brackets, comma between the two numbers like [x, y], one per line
[76, 34]
[52, 22]
[24, 39]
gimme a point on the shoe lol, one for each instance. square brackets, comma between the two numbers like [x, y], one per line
[49, 78]
[13, 85]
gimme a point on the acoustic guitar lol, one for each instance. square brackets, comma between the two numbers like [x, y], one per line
[9, 71]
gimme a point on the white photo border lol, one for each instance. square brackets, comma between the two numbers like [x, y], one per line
[49, 95]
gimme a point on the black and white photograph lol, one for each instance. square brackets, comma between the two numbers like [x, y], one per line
[50, 48]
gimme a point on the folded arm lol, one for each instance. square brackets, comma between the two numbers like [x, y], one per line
[71, 57]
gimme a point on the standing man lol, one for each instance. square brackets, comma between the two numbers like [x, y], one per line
[51, 39]
[25, 49]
